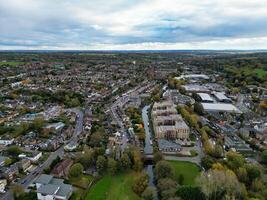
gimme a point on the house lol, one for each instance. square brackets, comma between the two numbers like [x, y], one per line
[55, 127]
[49, 187]
[24, 164]
[62, 168]
[6, 142]
[3, 183]
[33, 156]
[10, 172]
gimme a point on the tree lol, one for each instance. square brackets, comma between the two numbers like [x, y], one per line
[125, 161]
[264, 156]
[140, 183]
[87, 158]
[234, 160]
[157, 157]
[165, 184]
[112, 166]
[188, 192]
[150, 193]
[76, 170]
[207, 162]
[253, 172]
[217, 151]
[163, 170]
[242, 174]
[181, 179]
[137, 160]
[14, 150]
[220, 184]
[101, 164]
[17, 191]
[198, 108]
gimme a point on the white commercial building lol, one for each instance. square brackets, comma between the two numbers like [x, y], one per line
[220, 107]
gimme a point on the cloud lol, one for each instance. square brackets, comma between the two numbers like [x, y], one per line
[133, 24]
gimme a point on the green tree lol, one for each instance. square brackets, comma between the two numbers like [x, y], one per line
[198, 108]
[157, 157]
[188, 192]
[76, 170]
[181, 179]
[87, 158]
[112, 166]
[234, 160]
[101, 164]
[165, 184]
[125, 162]
[264, 156]
[253, 172]
[140, 183]
[14, 150]
[163, 169]
[150, 193]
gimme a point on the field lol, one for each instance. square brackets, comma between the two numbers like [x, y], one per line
[260, 73]
[113, 187]
[10, 63]
[189, 170]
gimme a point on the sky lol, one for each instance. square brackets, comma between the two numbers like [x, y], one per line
[133, 24]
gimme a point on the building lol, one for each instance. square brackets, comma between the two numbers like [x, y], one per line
[220, 107]
[196, 88]
[49, 187]
[204, 97]
[6, 141]
[167, 123]
[24, 164]
[62, 168]
[3, 183]
[10, 172]
[33, 156]
[220, 96]
[55, 127]
[194, 77]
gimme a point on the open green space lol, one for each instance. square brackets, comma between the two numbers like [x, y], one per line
[113, 187]
[10, 63]
[261, 73]
[189, 171]
[81, 182]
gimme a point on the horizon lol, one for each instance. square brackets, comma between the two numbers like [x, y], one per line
[133, 25]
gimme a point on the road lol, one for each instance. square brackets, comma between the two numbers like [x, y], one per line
[25, 182]
[148, 146]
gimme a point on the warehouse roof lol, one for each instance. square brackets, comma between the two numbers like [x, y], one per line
[220, 107]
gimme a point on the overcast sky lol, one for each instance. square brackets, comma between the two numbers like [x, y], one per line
[133, 24]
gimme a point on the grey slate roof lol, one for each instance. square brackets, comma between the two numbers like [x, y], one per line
[44, 179]
[48, 189]
[64, 190]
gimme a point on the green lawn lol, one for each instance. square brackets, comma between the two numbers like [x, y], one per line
[82, 182]
[10, 63]
[113, 187]
[261, 73]
[189, 170]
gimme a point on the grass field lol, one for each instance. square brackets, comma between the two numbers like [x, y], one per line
[189, 170]
[260, 73]
[10, 63]
[113, 187]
